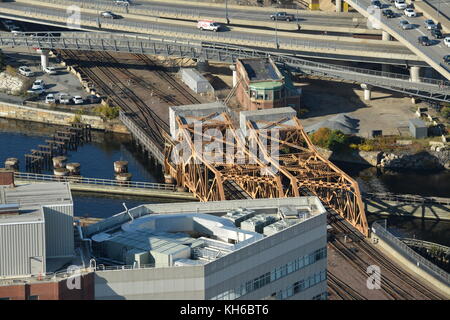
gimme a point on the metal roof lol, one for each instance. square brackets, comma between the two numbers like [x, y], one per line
[261, 69]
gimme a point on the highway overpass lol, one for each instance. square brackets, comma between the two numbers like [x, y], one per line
[422, 87]
[431, 54]
[307, 45]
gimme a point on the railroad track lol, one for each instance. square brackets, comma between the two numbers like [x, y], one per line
[168, 78]
[341, 289]
[144, 116]
[403, 287]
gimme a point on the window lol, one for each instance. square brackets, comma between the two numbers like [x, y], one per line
[33, 298]
[276, 95]
[5, 298]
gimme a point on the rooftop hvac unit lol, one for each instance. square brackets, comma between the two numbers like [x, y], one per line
[257, 223]
[238, 215]
[278, 226]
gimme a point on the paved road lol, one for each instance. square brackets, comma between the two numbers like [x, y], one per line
[431, 54]
[365, 48]
[443, 6]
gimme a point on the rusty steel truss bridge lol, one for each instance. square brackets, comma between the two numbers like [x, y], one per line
[230, 157]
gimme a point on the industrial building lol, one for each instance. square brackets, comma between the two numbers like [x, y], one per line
[238, 249]
[262, 85]
[195, 81]
[36, 227]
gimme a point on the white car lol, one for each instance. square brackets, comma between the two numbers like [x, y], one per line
[400, 4]
[208, 25]
[38, 91]
[38, 84]
[50, 70]
[50, 98]
[64, 98]
[78, 100]
[410, 12]
[429, 24]
[123, 3]
[108, 15]
[447, 41]
[25, 71]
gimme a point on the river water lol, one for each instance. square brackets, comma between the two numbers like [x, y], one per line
[96, 159]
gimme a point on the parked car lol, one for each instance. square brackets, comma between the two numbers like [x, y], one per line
[92, 99]
[282, 16]
[50, 70]
[408, 26]
[410, 12]
[400, 4]
[447, 41]
[446, 59]
[424, 41]
[388, 13]
[430, 25]
[64, 98]
[108, 15]
[25, 71]
[122, 3]
[50, 98]
[38, 91]
[38, 84]
[208, 25]
[437, 34]
[376, 3]
[78, 100]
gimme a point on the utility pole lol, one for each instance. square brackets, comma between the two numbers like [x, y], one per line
[276, 33]
[226, 12]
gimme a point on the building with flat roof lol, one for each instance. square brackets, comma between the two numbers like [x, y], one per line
[238, 249]
[262, 85]
[36, 228]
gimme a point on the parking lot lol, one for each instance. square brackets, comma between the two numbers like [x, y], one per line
[63, 82]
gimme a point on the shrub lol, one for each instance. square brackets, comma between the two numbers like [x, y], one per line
[11, 70]
[446, 112]
[107, 111]
[320, 137]
[333, 140]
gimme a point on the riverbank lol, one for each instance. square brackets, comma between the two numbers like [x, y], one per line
[35, 114]
[425, 160]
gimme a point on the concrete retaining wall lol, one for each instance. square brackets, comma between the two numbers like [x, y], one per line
[18, 112]
[409, 266]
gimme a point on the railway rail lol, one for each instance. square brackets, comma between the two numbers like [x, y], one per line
[395, 282]
[340, 289]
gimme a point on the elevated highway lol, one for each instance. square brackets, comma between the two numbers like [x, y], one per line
[431, 54]
[307, 45]
[247, 16]
[426, 88]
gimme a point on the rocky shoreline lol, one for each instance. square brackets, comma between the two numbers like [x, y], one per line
[426, 160]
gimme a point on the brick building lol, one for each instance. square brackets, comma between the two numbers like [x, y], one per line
[262, 85]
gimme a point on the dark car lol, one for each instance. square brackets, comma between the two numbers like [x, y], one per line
[446, 59]
[92, 99]
[437, 34]
[376, 4]
[109, 15]
[424, 41]
[388, 13]
[282, 16]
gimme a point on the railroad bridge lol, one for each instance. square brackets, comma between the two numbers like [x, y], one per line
[267, 154]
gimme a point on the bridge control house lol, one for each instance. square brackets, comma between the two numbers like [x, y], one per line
[262, 85]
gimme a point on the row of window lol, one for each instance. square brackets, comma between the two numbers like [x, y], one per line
[302, 285]
[322, 296]
[268, 95]
[274, 275]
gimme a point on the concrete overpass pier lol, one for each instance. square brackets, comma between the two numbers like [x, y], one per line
[367, 91]
[338, 5]
[44, 57]
[414, 73]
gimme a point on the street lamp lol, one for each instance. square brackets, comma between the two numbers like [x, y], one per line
[226, 12]
[276, 33]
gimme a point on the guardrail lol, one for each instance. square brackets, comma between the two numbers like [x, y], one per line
[93, 181]
[410, 254]
[142, 137]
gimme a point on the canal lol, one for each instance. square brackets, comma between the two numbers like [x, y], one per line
[96, 159]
